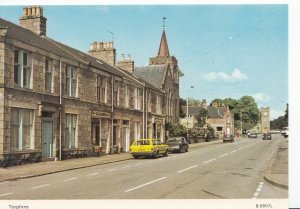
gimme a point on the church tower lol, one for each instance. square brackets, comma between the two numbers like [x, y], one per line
[163, 56]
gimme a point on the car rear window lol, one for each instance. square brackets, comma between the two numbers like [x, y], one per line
[143, 142]
[174, 140]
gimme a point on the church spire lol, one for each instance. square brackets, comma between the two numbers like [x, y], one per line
[163, 47]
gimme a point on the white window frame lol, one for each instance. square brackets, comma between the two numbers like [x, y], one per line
[126, 95]
[71, 128]
[22, 68]
[102, 89]
[21, 124]
[158, 104]
[48, 75]
[71, 81]
[116, 93]
[149, 102]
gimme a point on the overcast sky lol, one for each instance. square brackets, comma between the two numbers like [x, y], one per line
[223, 50]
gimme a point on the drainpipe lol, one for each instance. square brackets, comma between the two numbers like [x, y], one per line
[112, 113]
[146, 120]
[60, 105]
[144, 112]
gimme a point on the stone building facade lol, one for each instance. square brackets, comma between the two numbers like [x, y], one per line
[58, 102]
[219, 117]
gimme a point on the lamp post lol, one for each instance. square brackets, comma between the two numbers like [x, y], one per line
[187, 114]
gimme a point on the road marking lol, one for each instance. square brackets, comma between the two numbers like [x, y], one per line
[6, 194]
[210, 160]
[71, 179]
[37, 187]
[139, 164]
[151, 182]
[224, 155]
[258, 190]
[5, 182]
[93, 174]
[113, 169]
[233, 151]
[187, 169]
[127, 166]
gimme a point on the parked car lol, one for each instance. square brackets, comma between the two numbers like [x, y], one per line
[178, 144]
[252, 135]
[148, 148]
[229, 138]
[267, 136]
[285, 132]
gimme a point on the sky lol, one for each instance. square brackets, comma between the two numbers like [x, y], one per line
[224, 51]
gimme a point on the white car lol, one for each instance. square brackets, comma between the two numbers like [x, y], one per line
[285, 132]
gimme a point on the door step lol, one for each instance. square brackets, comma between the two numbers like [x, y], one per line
[46, 159]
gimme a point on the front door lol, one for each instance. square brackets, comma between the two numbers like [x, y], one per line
[47, 136]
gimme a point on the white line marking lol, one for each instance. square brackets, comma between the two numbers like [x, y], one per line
[233, 151]
[139, 164]
[1, 195]
[256, 194]
[93, 174]
[187, 169]
[71, 179]
[151, 182]
[258, 190]
[37, 187]
[5, 182]
[210, 160]
[127, 166]
[224, 155]
[112, 169]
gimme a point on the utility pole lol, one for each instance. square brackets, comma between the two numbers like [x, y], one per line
[187, 114]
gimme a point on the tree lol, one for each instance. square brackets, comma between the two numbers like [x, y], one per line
[245, 109]
[201, 117]
[282, 121]
[176, 129]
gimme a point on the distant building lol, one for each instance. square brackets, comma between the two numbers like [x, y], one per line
[263, 124]
[219, 117]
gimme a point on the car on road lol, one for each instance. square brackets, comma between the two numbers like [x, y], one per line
[148, 148]
[229, 138]
[285, 132]
[267, 136]
[252, 135]
[178, 144]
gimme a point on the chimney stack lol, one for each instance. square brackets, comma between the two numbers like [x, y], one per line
[34, 20]
[104, 51]
[127, 65]
[204, 104]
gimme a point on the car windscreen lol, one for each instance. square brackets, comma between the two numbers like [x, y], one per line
[143, 142]
[174, 140]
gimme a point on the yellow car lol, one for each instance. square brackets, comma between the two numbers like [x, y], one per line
[148, 148]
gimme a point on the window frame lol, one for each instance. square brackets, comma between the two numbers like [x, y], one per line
[20, 125]
[23, 68]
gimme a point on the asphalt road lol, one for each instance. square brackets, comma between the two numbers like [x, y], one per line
[226, 171]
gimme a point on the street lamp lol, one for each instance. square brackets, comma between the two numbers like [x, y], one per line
[187, 114]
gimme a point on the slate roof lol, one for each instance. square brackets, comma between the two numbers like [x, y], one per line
[213, 112]
[193, 110]
[216, 112]
[153, 74]
[45, 43]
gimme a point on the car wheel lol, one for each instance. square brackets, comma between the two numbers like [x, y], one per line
[187, 149]
[156, 154]
[135, 156]
[166, 153]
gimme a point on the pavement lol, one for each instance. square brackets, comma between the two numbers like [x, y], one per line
[277, 173]
[14, 173]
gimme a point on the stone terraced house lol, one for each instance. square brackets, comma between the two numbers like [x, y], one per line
[59, 102]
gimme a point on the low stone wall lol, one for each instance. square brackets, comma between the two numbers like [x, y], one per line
[19, 159]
